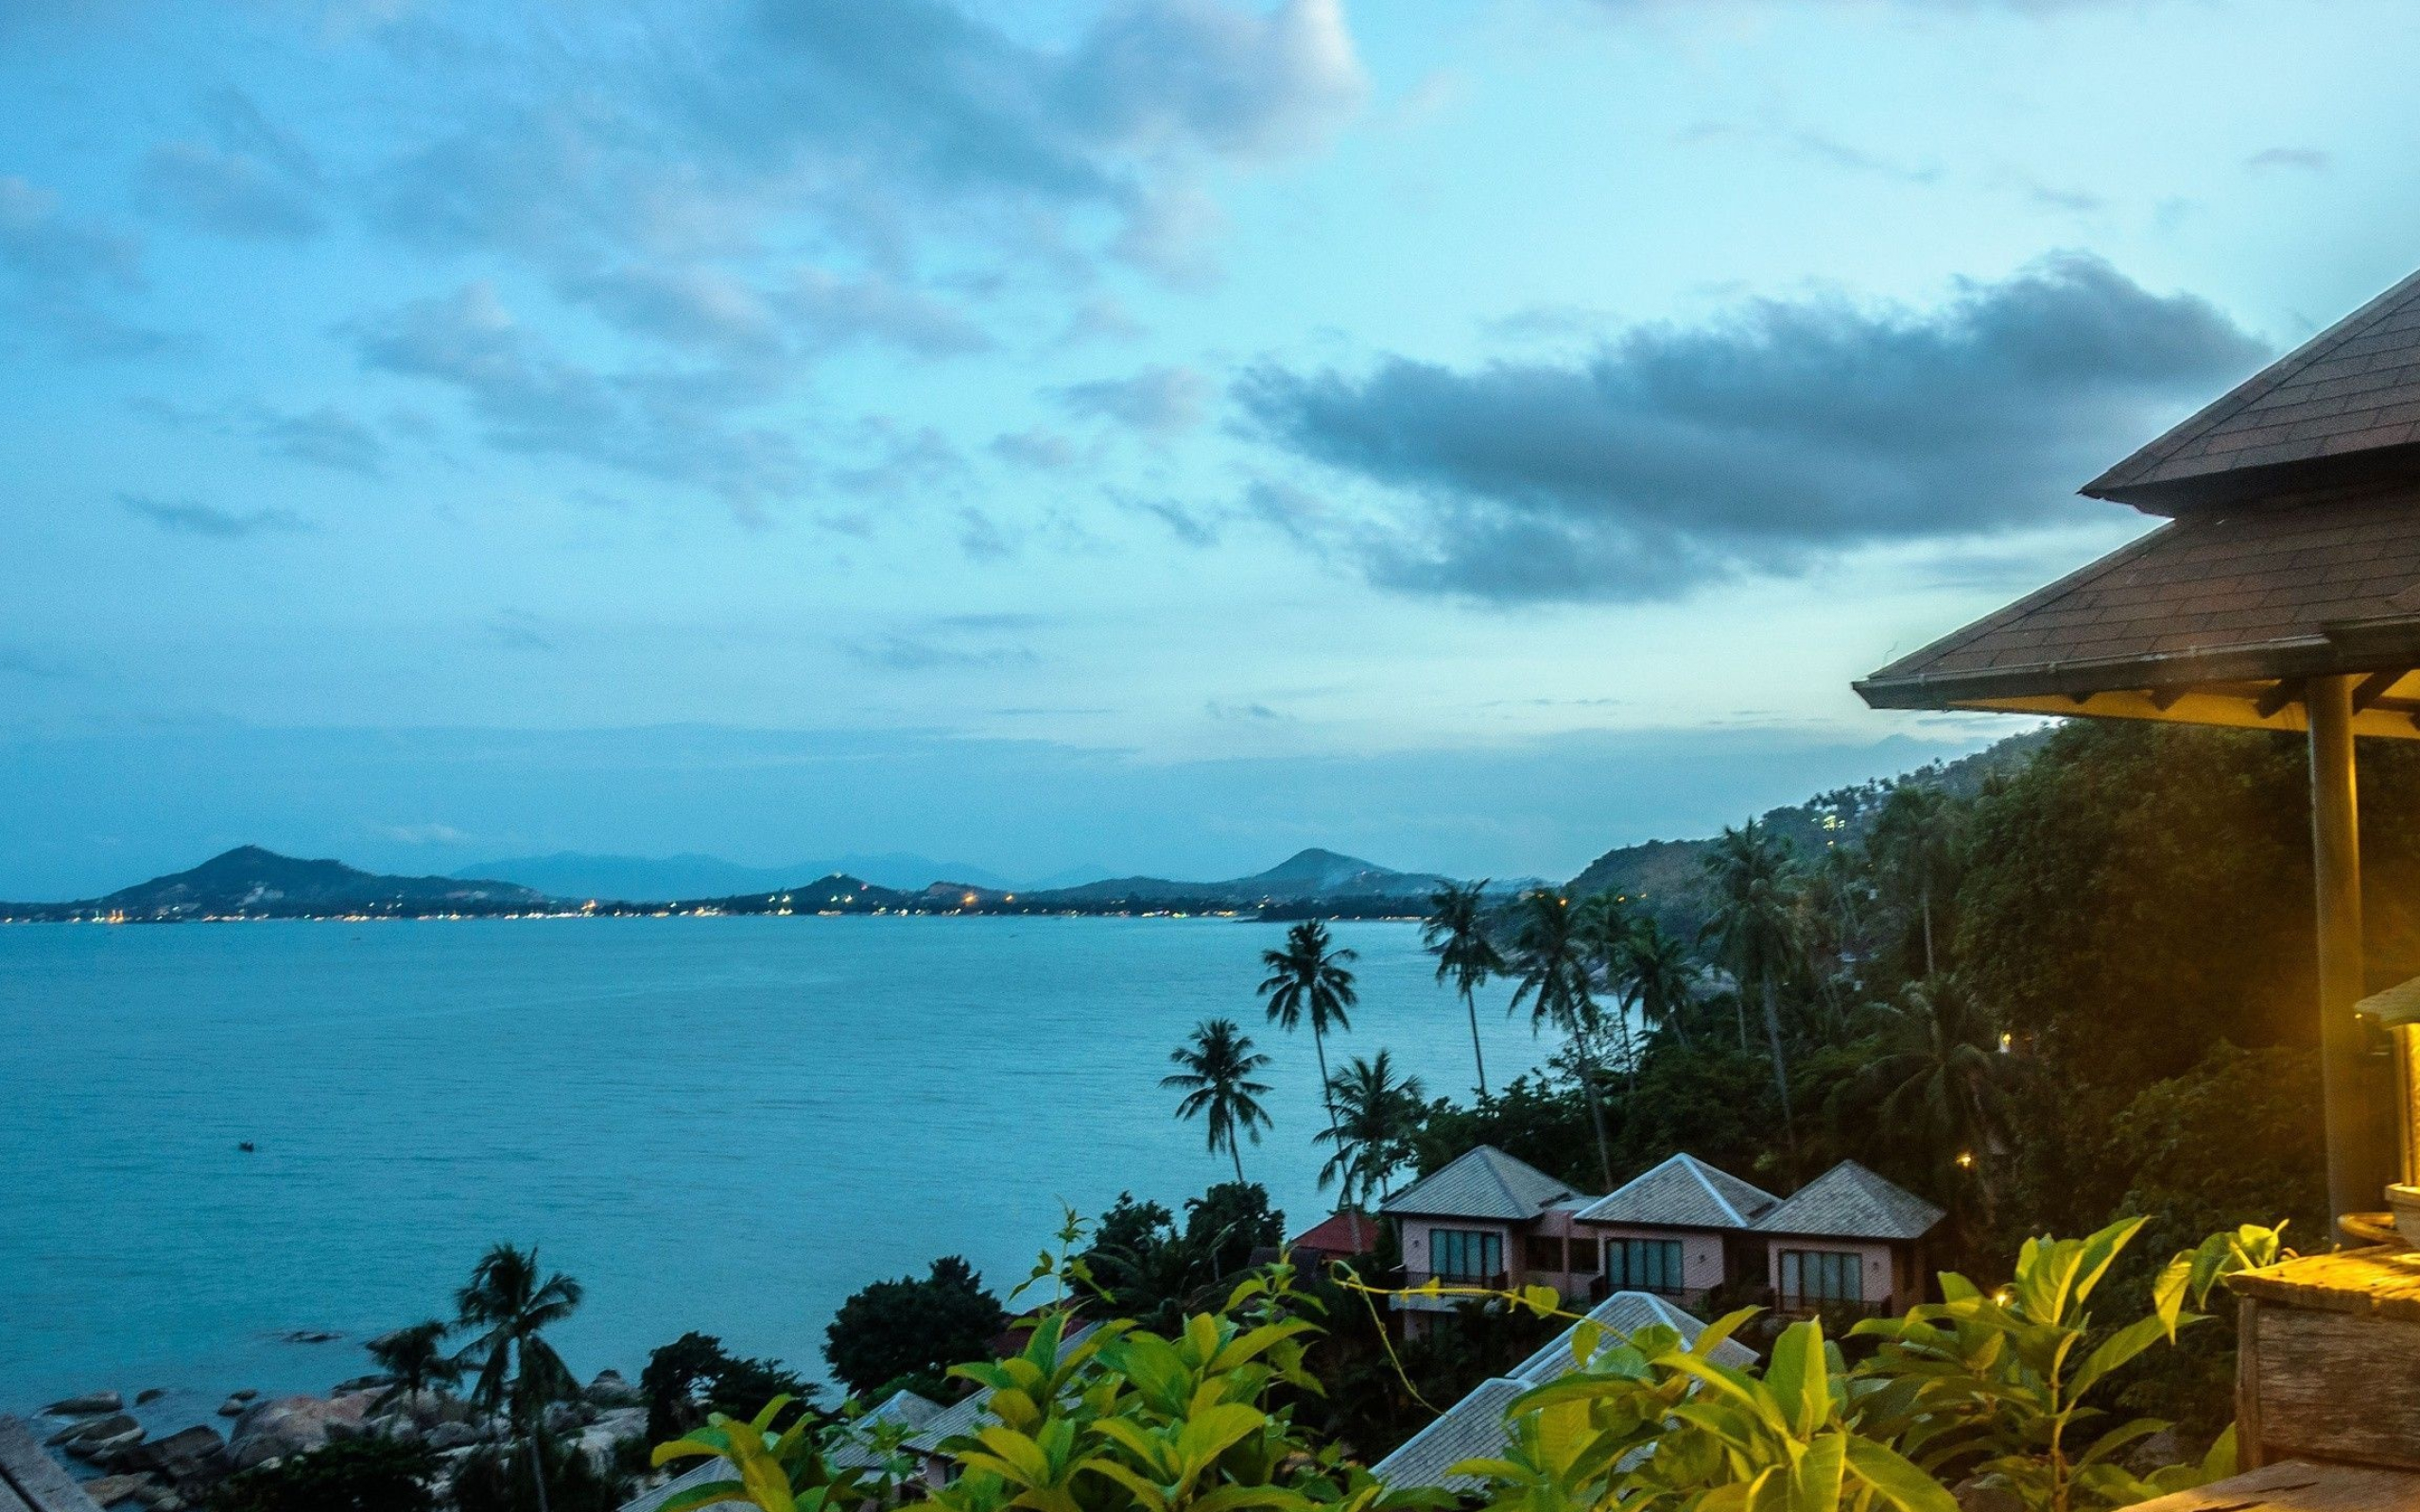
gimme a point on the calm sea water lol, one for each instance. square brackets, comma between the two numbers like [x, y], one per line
[723, 1125]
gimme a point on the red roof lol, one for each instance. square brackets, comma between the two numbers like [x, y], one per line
[1335, 1234]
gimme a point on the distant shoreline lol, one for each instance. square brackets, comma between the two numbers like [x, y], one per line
[1280, 914]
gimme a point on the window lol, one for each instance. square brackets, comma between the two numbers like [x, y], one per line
[1822, 1276]
[1466, 1254]
[1544, 1252]
[1643, 1265]
[1583, 1256]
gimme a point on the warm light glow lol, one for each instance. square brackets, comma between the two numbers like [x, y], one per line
[2006, 1040]
[1965, 1160]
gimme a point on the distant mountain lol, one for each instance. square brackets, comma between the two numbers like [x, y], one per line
[249, 882]
[1670, 875]
[650, 879]
[1301, 877]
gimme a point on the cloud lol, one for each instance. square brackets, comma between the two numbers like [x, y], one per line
[186, 517]
[2298, 159]
[56, 271]
[1159, 402]
[1761, 442]
[1192, 527]
[517, 630]
[1042, 450]
[658, 426]
[904, 462]
[249, 183]
[326, 437]
[910, 653]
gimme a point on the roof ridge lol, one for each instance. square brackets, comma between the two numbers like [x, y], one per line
[1490, 1152]
[1698, 1169]
[2164, 447]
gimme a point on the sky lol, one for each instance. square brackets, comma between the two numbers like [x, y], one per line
[1148, 437]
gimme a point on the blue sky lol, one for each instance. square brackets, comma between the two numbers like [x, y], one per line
[1153, 436]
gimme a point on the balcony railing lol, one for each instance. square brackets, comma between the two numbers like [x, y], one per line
[1790, 1306]
[1417, 1278]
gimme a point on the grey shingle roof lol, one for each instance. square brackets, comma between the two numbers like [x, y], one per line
[968, 1413]
[1481, 1184]
[1474, 1428]
[904, 1407]
[1682, 1193]
[2324, 582]
[2348, 393]
[1850, 1202]
[704, 1471]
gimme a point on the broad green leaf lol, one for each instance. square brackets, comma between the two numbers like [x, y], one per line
[1894, 1481]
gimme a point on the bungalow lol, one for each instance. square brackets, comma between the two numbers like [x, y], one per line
[1848, 1239]
[1680, 1229]
[1487, 1219]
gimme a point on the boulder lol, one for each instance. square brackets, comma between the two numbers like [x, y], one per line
[2157, 1451]
[90, 1405]
[601, 1441]
[564, 1417]
[309, 1336]
[610, 1390]
[361, 1383]
[104, 1449]
[150, 1395]
[294, 1425]
[248, 1394]
[117, 1490]
[94, 1429]
[233, 1407]
[194, 1456]
[454, 1435]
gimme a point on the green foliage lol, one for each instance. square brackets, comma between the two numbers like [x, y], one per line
[510, 1305]
[350, 1475]
[1215, 1072]
[694, 1376]
[1142, 1264]
[499, 1478]
[1374, 1114]
[415, 1357]
[1230, 1221]
[911, 1328]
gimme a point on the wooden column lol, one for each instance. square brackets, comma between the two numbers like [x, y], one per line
[2356, 1178]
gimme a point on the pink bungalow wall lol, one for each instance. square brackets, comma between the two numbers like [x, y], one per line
[1701, 1251]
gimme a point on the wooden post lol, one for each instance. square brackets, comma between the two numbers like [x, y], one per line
[2356, 1178]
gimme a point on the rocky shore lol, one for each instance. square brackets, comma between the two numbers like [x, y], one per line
[178, 1470]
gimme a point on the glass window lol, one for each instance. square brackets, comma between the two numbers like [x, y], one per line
[1466, 1254]
[1643, 1265]
[1822, 1276]
[1544, 1252]
[1583, 1256]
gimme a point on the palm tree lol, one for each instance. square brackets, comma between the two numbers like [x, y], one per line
[1376, 1116]
[1919, 841]
[1457, 934]
[414, 1358]
[1661, 976]
[1307, 979]
[1219, 1064]
[517, 1369]
[1941, 1077]
[1753, 927]
[1552, 964]
[1603, 923]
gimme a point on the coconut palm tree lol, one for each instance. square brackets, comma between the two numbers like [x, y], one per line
[1919, 846]
[1376, 1116]
[1754, 929]
[1942, 1078]
[1219, 1064]
[416, 1359]
[1549, 961]
[1603, 923]
[1308, 979]
[510, 1306]
[1457, 934]
[1661, 976]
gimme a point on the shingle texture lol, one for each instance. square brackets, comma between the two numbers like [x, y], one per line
[2258, 583]
[1850, 1202]
[906, 1408]
[1682, 1193]
[705, 1472]
[1483, 1183]
[2352, 390]
[1474, 1428]
[970, 1412]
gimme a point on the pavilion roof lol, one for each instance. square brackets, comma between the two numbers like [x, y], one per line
[2344, 405]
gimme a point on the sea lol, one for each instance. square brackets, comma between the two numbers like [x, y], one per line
[721, 1124]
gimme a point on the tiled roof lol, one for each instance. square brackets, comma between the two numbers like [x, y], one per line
[906, 1408]
[1682, 1193]
[1474, 1428]
[2300, 586]
[702, 1473]
[1338, 1233]
[1481, 1184]
[2347, 394]
[1850, 1202]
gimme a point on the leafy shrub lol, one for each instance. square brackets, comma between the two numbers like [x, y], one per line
[913, 1331]
[497, 1478]
[695, 1375]
[351, 1475]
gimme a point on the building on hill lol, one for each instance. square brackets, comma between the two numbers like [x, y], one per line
[1474, 1427]
[1679, 1230]
[1338, 1236]
[1848, 1240]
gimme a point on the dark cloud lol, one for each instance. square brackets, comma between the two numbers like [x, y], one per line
[57, 273]
[1761, 442]
[326, 437]
[668, 427]
[250, 182]
[187, 517]
[2298, 159]
[1195, 527]
[1159, 402]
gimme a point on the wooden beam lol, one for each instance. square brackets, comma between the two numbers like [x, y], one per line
[2357, 1176]
[2286, 691]
[2372, 688]
[2163, 699]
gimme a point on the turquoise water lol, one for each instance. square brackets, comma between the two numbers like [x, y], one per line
[724, 1125]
